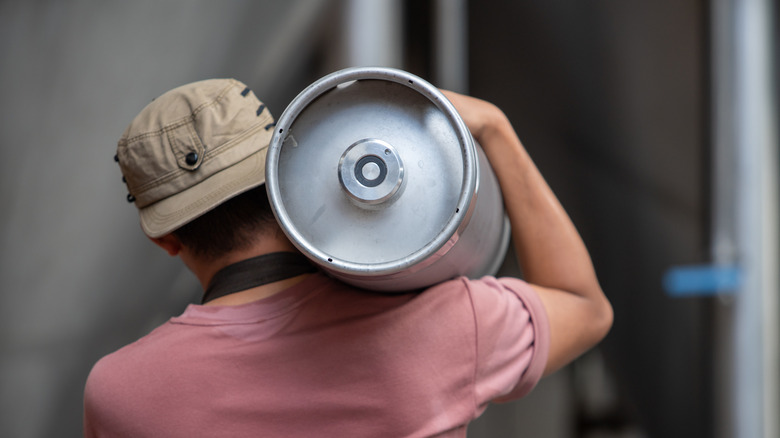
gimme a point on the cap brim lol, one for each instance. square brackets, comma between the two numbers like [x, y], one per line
[168, 214]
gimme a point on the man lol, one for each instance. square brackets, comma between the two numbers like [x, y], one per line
[279, 350]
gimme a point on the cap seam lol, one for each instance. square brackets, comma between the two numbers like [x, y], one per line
[215, 151]
[183, 120]
[210, 154]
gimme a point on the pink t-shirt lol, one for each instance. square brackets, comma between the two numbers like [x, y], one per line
[323, 359]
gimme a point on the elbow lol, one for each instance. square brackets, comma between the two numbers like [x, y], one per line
[603, 319]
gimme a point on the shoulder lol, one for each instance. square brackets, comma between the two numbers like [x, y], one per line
[117, 381]
[493, 293]
[499, 307]
[513, 337]
[510, 303]
[115, 366]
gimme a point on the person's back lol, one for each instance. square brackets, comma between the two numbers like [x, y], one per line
[324, 359]
[283, 352]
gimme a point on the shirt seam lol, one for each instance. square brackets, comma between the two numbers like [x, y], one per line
[476, 346]
[273, 315]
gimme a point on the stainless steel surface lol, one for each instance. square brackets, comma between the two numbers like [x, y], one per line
[375, 177]
[371, 172]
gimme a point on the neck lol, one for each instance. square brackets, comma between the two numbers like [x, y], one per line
[205, 270]
[256, 293]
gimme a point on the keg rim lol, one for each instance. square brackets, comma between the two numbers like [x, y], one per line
[427, 254]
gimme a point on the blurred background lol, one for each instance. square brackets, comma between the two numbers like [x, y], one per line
[654, 122]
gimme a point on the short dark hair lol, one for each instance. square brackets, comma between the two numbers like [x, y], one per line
[233, 225]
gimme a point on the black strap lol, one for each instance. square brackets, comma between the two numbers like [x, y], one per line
[256, 271]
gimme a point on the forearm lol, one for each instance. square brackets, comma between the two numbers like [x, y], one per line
[550, 251]
[549, 248]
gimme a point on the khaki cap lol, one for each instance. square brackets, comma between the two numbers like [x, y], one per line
[191, 149]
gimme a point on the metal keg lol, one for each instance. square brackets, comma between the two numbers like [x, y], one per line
[373, 175]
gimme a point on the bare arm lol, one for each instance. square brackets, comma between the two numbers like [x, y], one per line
[551, 253]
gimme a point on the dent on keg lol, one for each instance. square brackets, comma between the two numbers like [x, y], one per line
[373, 175]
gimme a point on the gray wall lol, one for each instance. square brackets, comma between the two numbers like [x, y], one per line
[78, 277]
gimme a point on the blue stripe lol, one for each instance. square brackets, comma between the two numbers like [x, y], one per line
[701, 280]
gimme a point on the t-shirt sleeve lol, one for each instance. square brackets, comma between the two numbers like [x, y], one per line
[512, 338]
[92, 403]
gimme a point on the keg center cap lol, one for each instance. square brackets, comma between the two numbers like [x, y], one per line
[370, 171]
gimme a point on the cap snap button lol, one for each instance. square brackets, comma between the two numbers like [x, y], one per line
[191, 158]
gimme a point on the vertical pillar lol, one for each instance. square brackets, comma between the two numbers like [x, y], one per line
[451, 45]
[373, 33]
[745, 222]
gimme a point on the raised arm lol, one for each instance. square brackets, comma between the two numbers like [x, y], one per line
[551, 253]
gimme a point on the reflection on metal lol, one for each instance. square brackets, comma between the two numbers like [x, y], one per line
[745, 222]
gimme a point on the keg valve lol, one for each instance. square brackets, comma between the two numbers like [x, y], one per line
[370, 171]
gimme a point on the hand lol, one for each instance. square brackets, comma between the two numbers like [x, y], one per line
[479, 115]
